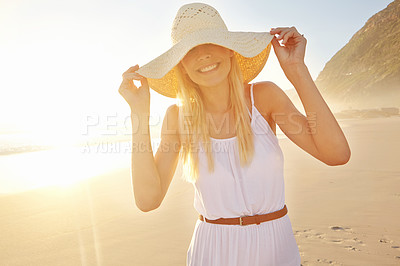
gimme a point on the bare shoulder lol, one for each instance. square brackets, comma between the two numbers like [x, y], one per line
[270, 97]
[173, 111]
[281, 109]
[170, 127]
[266, 95]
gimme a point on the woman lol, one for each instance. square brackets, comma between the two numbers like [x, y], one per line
[224, 131]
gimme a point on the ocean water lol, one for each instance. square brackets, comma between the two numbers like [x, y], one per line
[27, 162]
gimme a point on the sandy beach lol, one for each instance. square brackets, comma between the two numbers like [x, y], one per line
[342, 215]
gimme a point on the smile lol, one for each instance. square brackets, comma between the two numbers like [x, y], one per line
[208, 68]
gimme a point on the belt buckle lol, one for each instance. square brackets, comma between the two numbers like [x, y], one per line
[241, 220]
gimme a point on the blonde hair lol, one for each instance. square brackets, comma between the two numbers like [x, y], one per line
[193, 126]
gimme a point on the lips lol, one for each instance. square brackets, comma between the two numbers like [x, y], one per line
[208, 68]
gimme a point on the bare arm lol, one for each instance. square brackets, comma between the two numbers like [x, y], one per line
[145, 177]
[325, 139]
[151, 176]
[167, 155]
[306, 131]
[325, 130]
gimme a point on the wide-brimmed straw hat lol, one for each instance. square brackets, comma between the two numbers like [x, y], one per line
[196, 24]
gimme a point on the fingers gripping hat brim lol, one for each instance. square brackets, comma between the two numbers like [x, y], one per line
[251, 50]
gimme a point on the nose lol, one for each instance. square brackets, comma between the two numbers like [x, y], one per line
[203, 53]
[203, 56]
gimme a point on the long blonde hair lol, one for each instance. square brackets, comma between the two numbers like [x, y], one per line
[193, 126]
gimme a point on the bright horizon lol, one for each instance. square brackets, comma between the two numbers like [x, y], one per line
[62, 62]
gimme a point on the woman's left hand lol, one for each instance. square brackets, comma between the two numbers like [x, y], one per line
[293, 48]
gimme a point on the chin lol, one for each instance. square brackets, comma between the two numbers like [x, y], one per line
[212, 81]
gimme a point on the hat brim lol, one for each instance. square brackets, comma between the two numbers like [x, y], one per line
[251, 50]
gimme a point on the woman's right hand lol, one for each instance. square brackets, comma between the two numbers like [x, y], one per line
[137, 98]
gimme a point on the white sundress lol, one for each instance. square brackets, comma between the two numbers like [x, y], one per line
[233, 191]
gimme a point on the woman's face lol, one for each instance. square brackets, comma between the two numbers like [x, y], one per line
[207, 64]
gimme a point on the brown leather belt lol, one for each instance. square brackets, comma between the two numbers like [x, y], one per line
[246, 220]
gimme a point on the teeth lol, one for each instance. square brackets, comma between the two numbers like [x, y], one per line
[205, 69]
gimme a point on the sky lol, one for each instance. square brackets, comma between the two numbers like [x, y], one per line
[61, 61]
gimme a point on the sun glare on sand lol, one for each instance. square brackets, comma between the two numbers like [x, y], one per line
[59, 167]
[47, 108]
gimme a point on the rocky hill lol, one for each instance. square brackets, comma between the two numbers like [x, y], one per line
[365, 73]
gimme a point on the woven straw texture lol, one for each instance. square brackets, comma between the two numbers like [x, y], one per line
[197, 24]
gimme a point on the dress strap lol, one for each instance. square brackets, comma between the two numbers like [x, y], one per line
[252, 102]
[251, 94]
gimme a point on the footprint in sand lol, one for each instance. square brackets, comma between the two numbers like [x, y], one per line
[300, 232]
[336, 241]
[304, 232]
[337, 228]
[389, 241]
[357, 241]
[385, 240]
[353, 241]
[340, 228]
[350, 243]
[351, 248]
[308, 233]
[325, 261]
